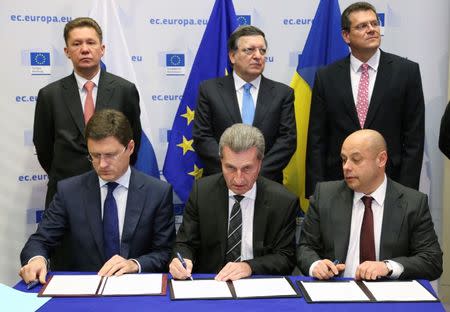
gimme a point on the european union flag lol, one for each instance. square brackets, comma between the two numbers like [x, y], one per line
[244, 20]
[175, 60]
[381, 19]
[182, 165]
[40, 58]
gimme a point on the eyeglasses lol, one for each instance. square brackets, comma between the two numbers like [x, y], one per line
[108, 157]
[251, 51]
[365, 26]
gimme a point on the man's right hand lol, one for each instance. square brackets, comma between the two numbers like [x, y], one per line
[178, 271]
[326, 269]
[35, 269]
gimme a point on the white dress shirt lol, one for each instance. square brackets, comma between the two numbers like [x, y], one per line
[83, 92]
[239, 86]
[355, 73]
[247, 210]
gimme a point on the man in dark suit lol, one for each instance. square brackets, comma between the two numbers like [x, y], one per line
[61, 112]
[132, 231]
[221, 104]
[369, 89]
[372, 225]
[236, 223]
[444, 133]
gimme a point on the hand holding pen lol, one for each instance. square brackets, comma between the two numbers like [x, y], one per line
[183, 263]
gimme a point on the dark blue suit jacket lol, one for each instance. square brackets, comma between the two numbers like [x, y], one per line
[148, 230]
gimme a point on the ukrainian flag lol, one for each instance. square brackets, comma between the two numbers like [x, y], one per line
[323, 46]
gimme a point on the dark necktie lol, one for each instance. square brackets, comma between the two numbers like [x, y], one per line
[111, 240]
[235, 232]
[367, 241]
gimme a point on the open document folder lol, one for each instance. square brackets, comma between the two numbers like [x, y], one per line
[271, 287]
[95, 285]
[362, 291]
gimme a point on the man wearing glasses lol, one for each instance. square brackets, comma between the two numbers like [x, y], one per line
[246, 96]
[369, 89]
[115, 219]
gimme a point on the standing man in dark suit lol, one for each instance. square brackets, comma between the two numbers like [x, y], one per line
[369, 89]
[225, 101]
[117, 220]
[64, 106]
[372, 225]
[236, 223]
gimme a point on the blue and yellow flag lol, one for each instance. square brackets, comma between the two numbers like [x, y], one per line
[323, 46]
[182, 165]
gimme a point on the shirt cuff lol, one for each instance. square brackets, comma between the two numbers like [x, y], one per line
[313, 265]
[397, 269]
[138, 264]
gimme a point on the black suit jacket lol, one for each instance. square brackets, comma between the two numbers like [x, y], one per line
[407, 232]
[58, 133]
[396, 110]
[218, 108]
[444, 133]
[202, 236]
[148, 231]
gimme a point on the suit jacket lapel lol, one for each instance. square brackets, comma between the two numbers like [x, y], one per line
[219, 199]
[341, 222]
[265, 98]
[105, 91]
[259, 218]
[133, 211]
[393, 216]
[229, 99]
[71, 97]
[92, 205]
[382, 83]
[343, 75]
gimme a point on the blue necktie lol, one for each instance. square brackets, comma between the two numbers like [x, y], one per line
[111, 240]
[248, 107]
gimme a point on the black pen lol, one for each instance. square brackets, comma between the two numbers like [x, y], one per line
[32, 284]
[183, 263]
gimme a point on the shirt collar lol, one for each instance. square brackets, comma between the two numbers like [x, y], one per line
[378, 195]
[250, 193]
[124, 180]
[373, 62]
[239, 82]
[81, 80]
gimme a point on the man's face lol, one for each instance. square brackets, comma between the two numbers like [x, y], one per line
[364, 35]
[240, 170]
[249, 64]
[110, 159]
[85, 50]
[363, 168]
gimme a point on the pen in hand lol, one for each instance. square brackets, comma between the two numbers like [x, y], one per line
[183, 263]
[32, 284]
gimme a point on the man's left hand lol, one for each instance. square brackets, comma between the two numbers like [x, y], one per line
[233, 271]
[371, 270]
[118, 265]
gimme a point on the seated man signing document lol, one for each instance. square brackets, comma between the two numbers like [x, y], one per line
[237, 223]
[116, 220]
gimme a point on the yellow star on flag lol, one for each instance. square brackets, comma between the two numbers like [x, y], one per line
[186, 145]
[197, 173]
[189, 115]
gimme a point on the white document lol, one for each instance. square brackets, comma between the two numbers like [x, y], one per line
[335, 291]
[72, 285]
[263, 287]
[133, 284]
[399, 291]
[200, 289]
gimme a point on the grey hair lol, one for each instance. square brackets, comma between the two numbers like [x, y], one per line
[240, 138]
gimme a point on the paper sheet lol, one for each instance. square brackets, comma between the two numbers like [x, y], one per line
[133, 284]
[198, 289]
[72, 285]
[14, 300]
[321, 291]
[263, 287]
[399, 291]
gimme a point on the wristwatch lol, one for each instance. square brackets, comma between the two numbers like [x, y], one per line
[389, 267]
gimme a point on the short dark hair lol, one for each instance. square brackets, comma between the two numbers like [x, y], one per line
[82, 22]
[242, 31]
[355, 7]
[106, 123]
